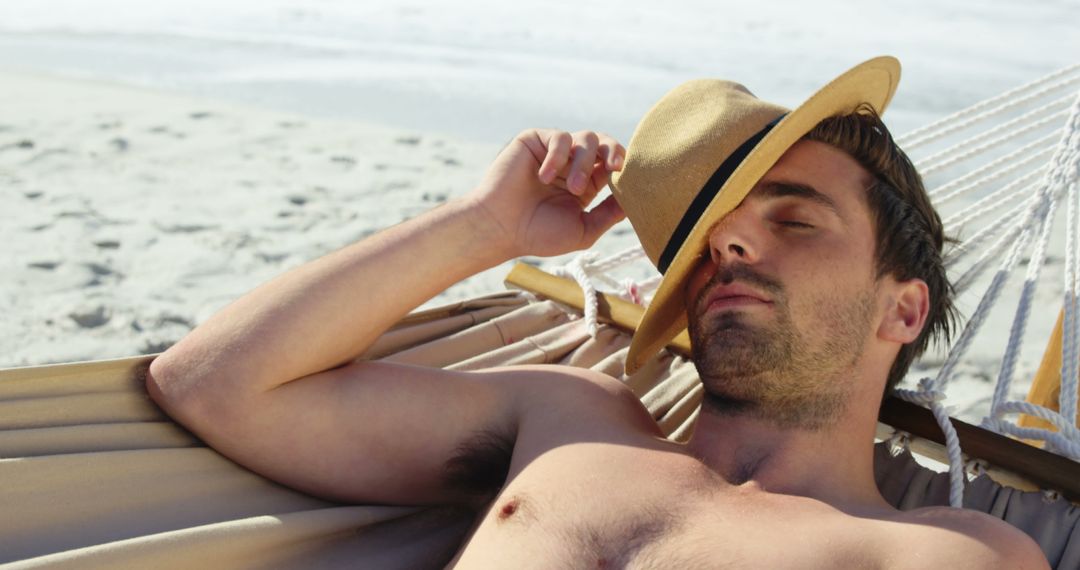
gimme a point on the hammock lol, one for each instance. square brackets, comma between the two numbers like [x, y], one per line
[95, 476]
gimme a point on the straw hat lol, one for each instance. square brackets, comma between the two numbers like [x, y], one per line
[694, 157]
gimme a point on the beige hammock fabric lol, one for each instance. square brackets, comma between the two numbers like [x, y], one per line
[93, 475]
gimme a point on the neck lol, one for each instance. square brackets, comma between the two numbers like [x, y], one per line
[834, 463]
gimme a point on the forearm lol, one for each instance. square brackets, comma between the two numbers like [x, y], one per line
[330, 310]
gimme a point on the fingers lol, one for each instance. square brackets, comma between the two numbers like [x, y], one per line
[559, 146]
[600, 219]
[577, 179]
[580, 163]
[611, 153]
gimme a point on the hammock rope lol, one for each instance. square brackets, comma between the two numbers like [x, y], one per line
[1034, 178]
[971, 147]
[989, 108]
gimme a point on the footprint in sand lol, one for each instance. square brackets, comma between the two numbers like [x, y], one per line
[448, 161]
[185, 228]
[437, 197]
[272, 257]
[405, 167]
[25, 144]
[91, 317]
[343, 160]
[45, 265]
[120, 144]
[156, 345]
[199, 115]
[100, 270]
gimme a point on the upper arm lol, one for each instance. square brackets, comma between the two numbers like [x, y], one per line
[965, 538]
[365, 432]
[998, 544]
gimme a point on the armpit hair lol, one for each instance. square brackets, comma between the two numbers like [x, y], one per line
[480, 464]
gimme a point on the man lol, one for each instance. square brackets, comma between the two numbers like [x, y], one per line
[767, 239]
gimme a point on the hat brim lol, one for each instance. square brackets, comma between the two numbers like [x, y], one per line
[872, 83]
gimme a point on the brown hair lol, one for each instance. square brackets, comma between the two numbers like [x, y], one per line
[909, 236]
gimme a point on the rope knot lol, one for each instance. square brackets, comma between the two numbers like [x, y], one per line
[927, 395]
[578, 270]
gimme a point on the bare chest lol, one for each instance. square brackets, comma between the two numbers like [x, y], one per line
[597, 506]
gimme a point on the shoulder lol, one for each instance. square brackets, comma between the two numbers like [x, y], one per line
[545, 393]
[557, 381]
[964, 538]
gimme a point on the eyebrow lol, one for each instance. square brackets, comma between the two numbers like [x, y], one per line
[780, 189]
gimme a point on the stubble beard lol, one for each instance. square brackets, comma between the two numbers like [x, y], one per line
[773, 370]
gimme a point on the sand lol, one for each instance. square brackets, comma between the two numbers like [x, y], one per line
[131, 215]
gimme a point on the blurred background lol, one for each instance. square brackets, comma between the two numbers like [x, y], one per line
[484, 69]
[160, 158]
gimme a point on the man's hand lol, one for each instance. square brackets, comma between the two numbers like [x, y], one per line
[534, 196]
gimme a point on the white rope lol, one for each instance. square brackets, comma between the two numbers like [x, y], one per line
[1069, 176]
[1064, 427]
[649, 285]
[932, 392]
[1055, 441]
[993, 201]
[619, 259]
[986, 109]
[1023, 307]
[977, 318]
[577, 271]
[953, 154]
[1036, 150]
[585, 267]
[962, 250]
[990, 254]
[931, 397]
[1044, 213]
[1060, 177]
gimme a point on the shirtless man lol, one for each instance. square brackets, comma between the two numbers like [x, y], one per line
[564, 467]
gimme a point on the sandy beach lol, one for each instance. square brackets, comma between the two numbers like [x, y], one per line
[133, 215]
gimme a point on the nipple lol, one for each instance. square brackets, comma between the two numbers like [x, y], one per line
[508, 509]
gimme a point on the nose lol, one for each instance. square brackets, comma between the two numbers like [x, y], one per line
[735, 238]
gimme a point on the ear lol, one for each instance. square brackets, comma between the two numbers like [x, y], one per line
[906, 309]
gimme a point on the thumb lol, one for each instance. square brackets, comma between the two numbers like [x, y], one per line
[600, 219]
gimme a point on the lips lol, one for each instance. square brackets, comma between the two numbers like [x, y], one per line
[735, 295]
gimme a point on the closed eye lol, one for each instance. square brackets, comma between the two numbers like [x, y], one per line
[795, 224]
